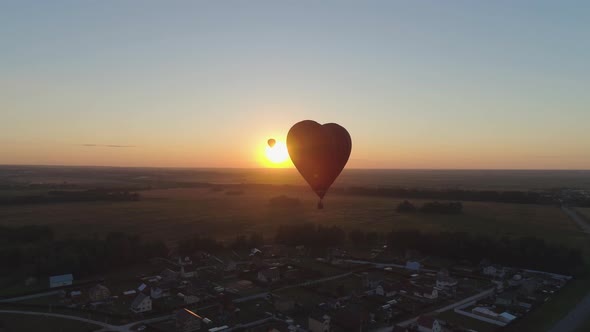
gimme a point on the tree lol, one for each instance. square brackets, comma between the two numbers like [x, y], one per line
[357, 237]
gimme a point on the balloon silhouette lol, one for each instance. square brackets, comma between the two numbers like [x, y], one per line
[319, 153]
[271, 142]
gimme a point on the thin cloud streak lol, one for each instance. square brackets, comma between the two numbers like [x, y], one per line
[108, 146]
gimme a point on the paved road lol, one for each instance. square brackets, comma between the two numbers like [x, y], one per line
[581, 312]
[80, 319]
[28, 297]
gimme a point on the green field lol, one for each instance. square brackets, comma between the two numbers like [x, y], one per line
[174, 213]
[28, 323]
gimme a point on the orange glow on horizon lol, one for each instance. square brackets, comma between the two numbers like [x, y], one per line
[276, 156]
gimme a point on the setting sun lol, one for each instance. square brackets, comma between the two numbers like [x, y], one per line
[277, 154]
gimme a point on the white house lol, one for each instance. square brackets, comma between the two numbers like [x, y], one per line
[318, 323]
[428, 324]
[427, 293]
[142, 303]
[444, 281]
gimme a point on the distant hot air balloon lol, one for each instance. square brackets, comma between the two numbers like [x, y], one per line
[319, 153]
[271, 142]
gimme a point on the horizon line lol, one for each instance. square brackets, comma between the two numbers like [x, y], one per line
[293, 168]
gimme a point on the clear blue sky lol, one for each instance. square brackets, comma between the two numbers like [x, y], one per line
[419, 84]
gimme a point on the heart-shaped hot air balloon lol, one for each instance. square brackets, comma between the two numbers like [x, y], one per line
[319, 153]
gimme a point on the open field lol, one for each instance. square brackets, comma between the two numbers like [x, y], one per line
[170, 214]
[418, 178]
[27, 323]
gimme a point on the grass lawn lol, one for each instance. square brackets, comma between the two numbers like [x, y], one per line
[27, 323]
[468, 322]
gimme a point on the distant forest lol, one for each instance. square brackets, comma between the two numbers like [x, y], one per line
[431, 207]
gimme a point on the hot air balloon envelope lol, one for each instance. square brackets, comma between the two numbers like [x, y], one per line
[271, 142]
[319, 153]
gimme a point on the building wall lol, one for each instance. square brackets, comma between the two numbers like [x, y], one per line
[317, 326]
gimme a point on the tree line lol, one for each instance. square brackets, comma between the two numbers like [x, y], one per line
[43, 255]
[33, 248]
[527, 252]
[431, 207]
[512, 196]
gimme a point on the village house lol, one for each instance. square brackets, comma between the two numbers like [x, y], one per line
[187, 274]
[444, 281]
[168, 275]
[142, 303]
[318, 322]
[428, 324]
[426, 292]
[506, 298]
[494, 271]
[371, 280]
[269, 275]
[98, 293]
[156, 292]
[231, 266]
[387, 289]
